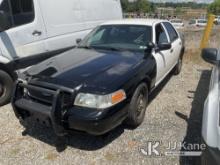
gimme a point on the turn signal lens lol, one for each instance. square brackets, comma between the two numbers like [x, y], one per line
[118, 97]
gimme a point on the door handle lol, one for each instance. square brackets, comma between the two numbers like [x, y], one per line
[36, 33]
[171, 51]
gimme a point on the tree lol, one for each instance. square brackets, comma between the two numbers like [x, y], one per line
[125, 5]
[178, 10]
[214, 8]
[142, 6]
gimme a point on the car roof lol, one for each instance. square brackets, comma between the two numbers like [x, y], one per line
[146, 22]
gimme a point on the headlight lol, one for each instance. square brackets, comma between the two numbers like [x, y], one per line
[99, 101]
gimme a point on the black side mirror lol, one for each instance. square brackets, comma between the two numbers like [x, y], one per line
[78, 40]
[148, 50]
[4, 21]
[163, 46]
[210, 55]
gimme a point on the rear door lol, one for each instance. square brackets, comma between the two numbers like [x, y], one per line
[175, 42]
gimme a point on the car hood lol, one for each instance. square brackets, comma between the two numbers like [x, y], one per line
[87, 68]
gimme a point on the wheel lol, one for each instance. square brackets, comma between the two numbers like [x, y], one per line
[137, 107]
[178, 67]
[6, 85]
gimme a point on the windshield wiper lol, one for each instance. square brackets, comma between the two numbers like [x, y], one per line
[86, 47]
[112, 48]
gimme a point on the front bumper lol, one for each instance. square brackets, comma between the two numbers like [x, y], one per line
[62, 117]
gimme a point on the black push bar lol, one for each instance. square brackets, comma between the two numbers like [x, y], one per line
[54, 111]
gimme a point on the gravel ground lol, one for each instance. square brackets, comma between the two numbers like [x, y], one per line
[173, 115]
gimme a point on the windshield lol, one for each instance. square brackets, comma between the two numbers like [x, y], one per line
[202, 21]
[123, 37]
[192, 22]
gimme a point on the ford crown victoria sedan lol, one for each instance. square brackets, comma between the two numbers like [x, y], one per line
[102, 82]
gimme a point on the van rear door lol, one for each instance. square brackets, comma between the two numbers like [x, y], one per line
[27, 32]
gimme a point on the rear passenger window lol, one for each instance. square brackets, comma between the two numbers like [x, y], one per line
[161, 36]
[171, 31]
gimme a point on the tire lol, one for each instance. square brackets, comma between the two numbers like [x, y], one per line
[204, 160]
[178, 67]
[137, 107]
[6, 85]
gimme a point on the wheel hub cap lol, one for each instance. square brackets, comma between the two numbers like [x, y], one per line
[141, 104]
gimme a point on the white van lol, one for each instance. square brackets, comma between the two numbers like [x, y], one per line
[32, 30]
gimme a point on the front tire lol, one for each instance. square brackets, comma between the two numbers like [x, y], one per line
[6, 85]
[137, 107]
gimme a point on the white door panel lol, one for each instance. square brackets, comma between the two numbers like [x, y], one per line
[163, 58]
[21, 41]
[64, 41]
[162, 64]
[176, 45]
[76, 19]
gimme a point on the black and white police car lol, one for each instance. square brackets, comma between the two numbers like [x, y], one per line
[102, 82]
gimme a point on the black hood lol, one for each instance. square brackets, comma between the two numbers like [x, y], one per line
[87, 68]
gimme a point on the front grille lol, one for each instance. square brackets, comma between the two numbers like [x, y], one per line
[41, 96]
[48, 98]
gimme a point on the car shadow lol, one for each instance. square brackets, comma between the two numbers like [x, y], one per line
[194, 121]
[77, 140]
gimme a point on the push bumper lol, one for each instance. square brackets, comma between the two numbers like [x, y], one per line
[62, 117]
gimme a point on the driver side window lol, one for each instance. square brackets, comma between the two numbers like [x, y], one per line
[161, 36]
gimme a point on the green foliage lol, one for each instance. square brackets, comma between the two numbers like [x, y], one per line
[141, 6]
[149, 7]
[192, 5]
[214, 8]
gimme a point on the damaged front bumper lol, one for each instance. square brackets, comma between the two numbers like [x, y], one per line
[53, 106]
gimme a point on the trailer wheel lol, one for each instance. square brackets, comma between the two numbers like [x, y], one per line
[6, 85]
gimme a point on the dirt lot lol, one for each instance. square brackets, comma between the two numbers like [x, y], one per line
[173, 115]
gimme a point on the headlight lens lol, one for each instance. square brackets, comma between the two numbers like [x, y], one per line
[99, 101]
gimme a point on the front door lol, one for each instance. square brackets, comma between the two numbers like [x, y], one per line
[162, 57]
[27, 33]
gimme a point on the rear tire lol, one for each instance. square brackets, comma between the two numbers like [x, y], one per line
[178, 66]
[6, 85]
[138, 105]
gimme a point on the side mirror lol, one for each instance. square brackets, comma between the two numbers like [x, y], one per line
[210, 55]
[148, 49]
[4, 21]
[163, 46]
[78, 40]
